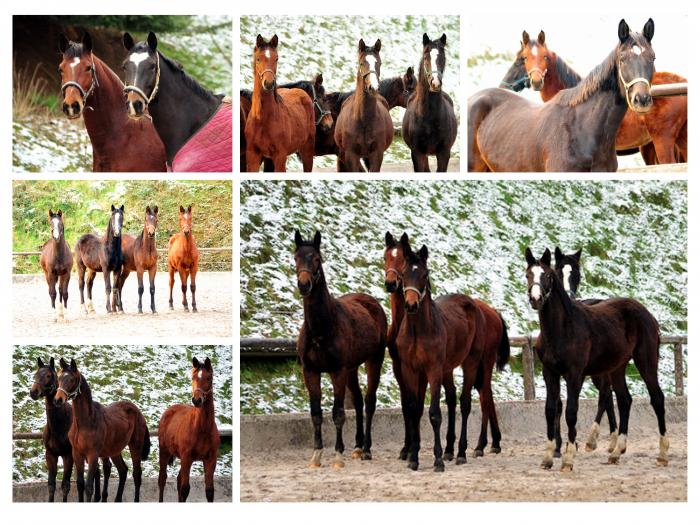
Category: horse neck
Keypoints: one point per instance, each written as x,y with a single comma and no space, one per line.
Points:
423,96
423,322
59,246
387,89
364,103
55,416
264,104
555,314
112,243
554,82
398,306
204,415
148,242
82,405
319,308
105,107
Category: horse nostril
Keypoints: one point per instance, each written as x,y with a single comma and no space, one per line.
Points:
76,107
65,108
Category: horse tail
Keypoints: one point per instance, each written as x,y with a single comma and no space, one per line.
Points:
146,446
503,347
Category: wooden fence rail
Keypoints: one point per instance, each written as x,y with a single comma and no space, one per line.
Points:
669,90
262,348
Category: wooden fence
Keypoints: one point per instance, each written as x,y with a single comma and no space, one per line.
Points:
257,348
669,90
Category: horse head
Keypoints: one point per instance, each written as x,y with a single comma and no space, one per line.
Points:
202,381
45,380
116,220
369,64
265,62
394,261
635,65
307,258
151,221
142,74
433,61
415,276
537,58
78,77
185,220
322,107
56,222
540,278
568,269
69,381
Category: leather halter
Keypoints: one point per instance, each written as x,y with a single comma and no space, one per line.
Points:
317,105
274,79
421,294
147,99
395,272
83,93
628,85
205,393
314,276
70,395
52,391
536,69
427,72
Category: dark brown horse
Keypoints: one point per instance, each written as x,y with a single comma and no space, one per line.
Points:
281,121
55,433
141,255
57,262
576,130
660,134
434,338
338,335
99,431
101,254
429,123
578,340
497,352
189,433
364,129
183,258
92,90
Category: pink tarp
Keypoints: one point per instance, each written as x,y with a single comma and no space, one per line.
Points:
210,148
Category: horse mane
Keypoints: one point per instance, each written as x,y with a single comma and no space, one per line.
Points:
74,50
385,84
85,390
560,294
567,75
190,82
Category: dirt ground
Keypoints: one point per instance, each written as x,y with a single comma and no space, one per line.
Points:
32,315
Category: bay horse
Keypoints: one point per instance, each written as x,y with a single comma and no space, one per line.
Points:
183,258
496,352
433,339
364,129
55,432
338,335
189,432
102,254
577,340
141,255
660,134
99,431
429,123
56,261
158,89
92,90
281,121
576,130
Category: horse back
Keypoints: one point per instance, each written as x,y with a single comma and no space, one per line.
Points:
87,252
464,326
128,242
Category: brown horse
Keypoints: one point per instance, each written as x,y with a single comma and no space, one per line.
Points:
338,335
99,431
141,255
190,434
281,121
92,90
57,262
364,129
183,258
434,338
661,134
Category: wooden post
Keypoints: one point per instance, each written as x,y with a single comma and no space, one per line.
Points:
678,367
528,371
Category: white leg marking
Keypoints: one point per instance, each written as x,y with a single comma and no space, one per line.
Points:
613,441
662,460
620,448
567,460
338,461
592,441
316,458
548,459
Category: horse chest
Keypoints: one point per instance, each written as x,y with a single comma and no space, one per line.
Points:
319,355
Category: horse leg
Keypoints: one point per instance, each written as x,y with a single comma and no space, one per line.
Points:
487,394
67,473
648,154
183,287
280,162
465,407
116,293
604,405
139,278
92,473
209,467
164,458
312,380
435,380
665,148
81,286
417,384
51,281
122,470
171,282
443,160
106,472
193,287
90,281
557,429
624,403
52,467
551,379
573,390
136,466
356,393
420,162
253,160
63,281
184,479
152,289
375,161
396,365
451,402
80,477
647,364
108,289
374,371
307,155
339,380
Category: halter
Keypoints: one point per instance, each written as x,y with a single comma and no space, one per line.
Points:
395,272
314,276
516,83
628,85
430,72
70,395
323,112
544,296
84,94
52,391
205,393
140,92
421,294
274,79
543,73
406,92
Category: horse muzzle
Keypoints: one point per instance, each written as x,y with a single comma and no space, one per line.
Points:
34,393
391,286
435,84
73,110
197,401
59,401
305,287
641,102
411,307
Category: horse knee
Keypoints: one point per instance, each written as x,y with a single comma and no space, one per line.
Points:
153,289
183,288
141,290
435,415
339,416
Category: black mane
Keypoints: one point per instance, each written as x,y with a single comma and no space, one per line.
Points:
74,50
568,76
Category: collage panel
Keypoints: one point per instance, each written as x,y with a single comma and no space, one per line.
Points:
515,274
125,413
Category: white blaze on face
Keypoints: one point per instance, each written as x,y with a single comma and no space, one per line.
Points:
394,252
566,273
637,50
536,291
75,62
136,59
199,375
267,53
434,81
56,232
534,51
373,80
115,223
415,267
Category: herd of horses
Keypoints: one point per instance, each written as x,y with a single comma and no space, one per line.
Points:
116,255
429,337
584,123
144,123
82,431
301,118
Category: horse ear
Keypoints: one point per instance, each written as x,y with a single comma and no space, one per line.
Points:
113,208
423,253
195,363
73,364
155,210
443,39
389,239
50,214
39,362
426,39
207,364
540,38
52,364
623,30
259,41
558,254
378,45
297,238
409,71
128,41
318,81
577,255
189,209
59,213
648,30
405,243
87,42
526,38
62,43
531,261
361,46
546,257
152,41
121,208
274,41
317,240
63,364
182,210
148,210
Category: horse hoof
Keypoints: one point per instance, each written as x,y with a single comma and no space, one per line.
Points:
314,465
154,312
477,453
590,447
439,467
357,453
567,467
495,450
461,460
613,460
557,454
366,456
194,309
448,456
661,462
171,307
413,465
338,464
546,465
403,455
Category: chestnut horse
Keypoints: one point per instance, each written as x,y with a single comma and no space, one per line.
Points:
190,434
57,262
141,255
99,431
364,129
92,90
55,433
183,258
577,340
576,130
102,254
496,352
429,123
338,335
434,338
661,134
281,121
